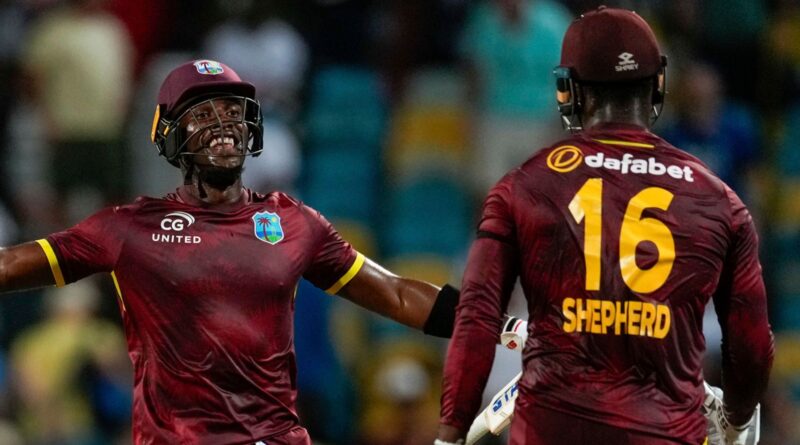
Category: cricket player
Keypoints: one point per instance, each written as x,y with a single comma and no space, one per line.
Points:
206,276
619,240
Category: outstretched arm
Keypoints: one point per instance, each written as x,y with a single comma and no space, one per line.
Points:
24,266
411,302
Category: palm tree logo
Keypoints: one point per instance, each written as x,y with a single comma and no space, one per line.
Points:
267,227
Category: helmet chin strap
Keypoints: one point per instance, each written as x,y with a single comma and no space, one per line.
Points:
189,165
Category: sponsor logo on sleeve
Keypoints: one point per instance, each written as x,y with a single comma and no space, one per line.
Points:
172,225
267,227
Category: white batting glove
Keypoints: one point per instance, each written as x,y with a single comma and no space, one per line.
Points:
720,430
514,333
441,442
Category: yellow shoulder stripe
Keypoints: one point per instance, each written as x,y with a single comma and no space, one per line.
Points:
53,260
624,143
119,292
339,284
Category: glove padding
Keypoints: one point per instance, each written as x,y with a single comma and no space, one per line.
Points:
514,333
720,430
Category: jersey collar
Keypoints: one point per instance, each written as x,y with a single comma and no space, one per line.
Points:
621,132
183,195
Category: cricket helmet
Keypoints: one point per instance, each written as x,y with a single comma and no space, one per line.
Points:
608,45
195,82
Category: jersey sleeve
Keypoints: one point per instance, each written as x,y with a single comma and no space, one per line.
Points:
741,304
91,246
496,220
485,290
335,262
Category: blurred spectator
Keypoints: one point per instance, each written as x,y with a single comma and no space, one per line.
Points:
400,394
9,434
730,36
343,31
418,34
779,81
79,61
722,133
8,228
150,24
264,49
50,362
780,411
511,48
786,225
11,27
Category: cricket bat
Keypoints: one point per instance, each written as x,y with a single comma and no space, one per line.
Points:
497,415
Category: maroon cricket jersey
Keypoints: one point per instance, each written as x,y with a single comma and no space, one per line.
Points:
619,240
207,300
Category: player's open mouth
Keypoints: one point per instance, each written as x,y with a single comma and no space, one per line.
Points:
226,141
223,145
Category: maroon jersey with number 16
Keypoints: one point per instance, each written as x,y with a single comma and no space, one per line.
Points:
207,297
619,241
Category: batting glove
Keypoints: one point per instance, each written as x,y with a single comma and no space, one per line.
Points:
441,442
514,333
720,430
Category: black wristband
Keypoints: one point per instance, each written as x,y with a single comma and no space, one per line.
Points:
442,318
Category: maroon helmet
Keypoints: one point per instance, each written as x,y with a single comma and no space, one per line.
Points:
607,45
610,45
194,82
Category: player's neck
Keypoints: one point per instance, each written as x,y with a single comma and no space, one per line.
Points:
207,195
637,113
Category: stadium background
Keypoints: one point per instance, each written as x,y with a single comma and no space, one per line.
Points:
391,117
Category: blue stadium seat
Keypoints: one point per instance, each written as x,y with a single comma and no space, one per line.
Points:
342,182
346,105
430,214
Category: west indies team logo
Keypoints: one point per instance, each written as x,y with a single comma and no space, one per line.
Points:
208,67
267,226
565,158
